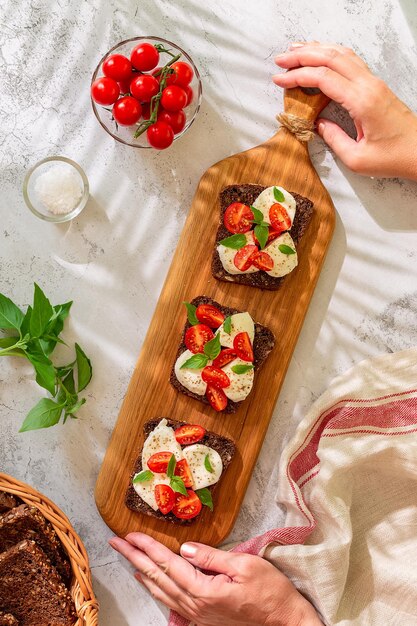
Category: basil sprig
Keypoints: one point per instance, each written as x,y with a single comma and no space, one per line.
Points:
261,229
278,195
176,482
34,335
204,496
198,361
234,241
286,249
191,313
143,477
241,369
227,325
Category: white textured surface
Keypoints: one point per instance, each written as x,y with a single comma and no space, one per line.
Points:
113,259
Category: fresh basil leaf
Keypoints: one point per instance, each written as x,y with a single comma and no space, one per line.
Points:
142,477
43,415
195,362
177,484
278,195
171,466
191,315
286,249
208,465
205,497
25,327
241,369
84,368
234,241
262,233
41,313
62,371
258,216
68,382
227,325
8,342
45,371
212,347
10,314
71,409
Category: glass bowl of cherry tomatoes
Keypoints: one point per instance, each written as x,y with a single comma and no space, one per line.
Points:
146,92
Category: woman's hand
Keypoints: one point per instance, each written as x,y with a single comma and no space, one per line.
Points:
245,590
386,143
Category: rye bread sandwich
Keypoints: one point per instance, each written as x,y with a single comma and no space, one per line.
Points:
31,589
220,352
27,522
177,469
259,228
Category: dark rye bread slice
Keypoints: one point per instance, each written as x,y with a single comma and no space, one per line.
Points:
27,522
224,446
263,343
248,194
31,588
6,619
8,501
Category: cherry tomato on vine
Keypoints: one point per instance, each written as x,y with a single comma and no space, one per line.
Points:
189,93
144,57
118,67
170,79
184,73
127,111
173,98
176,119
146,110
144,87
160,135
105,91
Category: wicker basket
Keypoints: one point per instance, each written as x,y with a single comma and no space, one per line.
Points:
81,588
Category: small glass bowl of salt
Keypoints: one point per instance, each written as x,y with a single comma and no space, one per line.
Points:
56,189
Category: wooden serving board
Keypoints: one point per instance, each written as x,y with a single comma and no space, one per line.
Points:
284,161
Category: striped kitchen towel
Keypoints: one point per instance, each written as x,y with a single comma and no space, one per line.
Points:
348,480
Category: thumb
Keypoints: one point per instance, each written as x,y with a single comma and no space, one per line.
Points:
210,559
342,145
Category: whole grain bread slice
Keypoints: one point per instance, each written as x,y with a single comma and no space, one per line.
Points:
8,501
7,619
31,588
247,194
223,445
27,522
262,345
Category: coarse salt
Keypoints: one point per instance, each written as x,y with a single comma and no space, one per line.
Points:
59,189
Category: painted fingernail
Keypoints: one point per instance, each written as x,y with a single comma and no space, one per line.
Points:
320,128
188,550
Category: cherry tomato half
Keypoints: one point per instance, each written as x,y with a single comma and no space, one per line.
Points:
127,111
144,87
173,98
144,57
160,135
118,67
197,336
210,315
243,257
215,376
105,91
182,469
216,397
158,462
263,261
189,433
176,119
237,218
184,73
165,498
280,220
187,507
226,356
243,347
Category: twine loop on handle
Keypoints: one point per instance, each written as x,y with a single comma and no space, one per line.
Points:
298,126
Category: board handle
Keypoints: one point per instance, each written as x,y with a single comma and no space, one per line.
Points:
306,104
